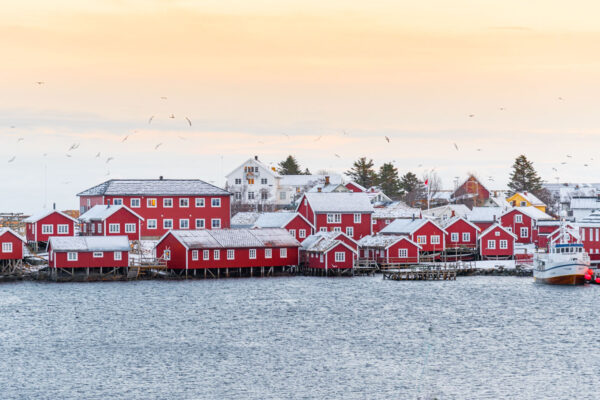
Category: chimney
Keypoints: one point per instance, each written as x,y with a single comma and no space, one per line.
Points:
453,213
160,178
256,158
327,179
319,189
54,206
413,217
525,193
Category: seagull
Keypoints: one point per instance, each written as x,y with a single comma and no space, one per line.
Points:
12,159
560,98
45,154
74,146
319,138
478,149
150,120
419,166
68,155
157,146
163,97
20,139
98,155
471,115
554,169
12,127
569,156
563,163
109,159
585,165
188,120
286,135
455,146
502,108
387,138
124,139
40,83
172,116
337,155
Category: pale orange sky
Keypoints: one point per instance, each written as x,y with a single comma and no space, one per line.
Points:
247,72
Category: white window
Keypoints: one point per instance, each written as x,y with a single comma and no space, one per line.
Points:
194,255
292,232
230,254
491,244
283,253
167,224
337,229
250,195
215,223
199,202
71,256
334,218
118,202
454,237
7,247
350,231
263,181
238,181
206,255
199,223
151,203
518,218
184,224
167,202
62,229
402,253
117,256
340,256
252,254
302,233
151,223
357,218
435,239
281,195
215,202
47,229
134,203
114,228
167,254
99,228
238,195
504,244
524,232
466,236
264,195
421,239
98,254
184,202
129,228
322,229
268,253
217,254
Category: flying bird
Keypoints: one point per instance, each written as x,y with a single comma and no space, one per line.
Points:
188,121
387,138
569,156
471,115
74,146
68,155
163,97
150,119
478,149
455,146
124,139
554,169
502,108
45,154
98,155
419,166
286,135
109,159
560,98
319,138
157,146
12,159
40,83
585,165
337,155
563,163
172,116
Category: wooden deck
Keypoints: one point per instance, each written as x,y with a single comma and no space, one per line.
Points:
422,273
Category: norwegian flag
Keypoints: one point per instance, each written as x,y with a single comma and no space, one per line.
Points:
427,182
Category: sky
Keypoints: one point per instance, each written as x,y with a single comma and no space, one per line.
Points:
272,78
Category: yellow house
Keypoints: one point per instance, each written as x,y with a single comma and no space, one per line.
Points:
526,199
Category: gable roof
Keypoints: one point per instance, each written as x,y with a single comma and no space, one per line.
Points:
496,225
530,197
465,181
233,238
257,162
43,214
357,185
323,242
531,212
308,180
154,187
277,219
339,202
100,212
485,214
244,219
89,243
454,220
459,210
8,230
408,226
396,210
384,241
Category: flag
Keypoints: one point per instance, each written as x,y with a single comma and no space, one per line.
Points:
427,182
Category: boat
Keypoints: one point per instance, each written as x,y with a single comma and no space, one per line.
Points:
565,263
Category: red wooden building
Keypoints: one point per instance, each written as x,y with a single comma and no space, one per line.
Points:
383,216
389,249
94,252
228,250
545,228
355,187
338,212
461,233
522,221
324,252
471,193
40,227
11,245
111,220
164,204
426,233
497,242
297,225
484,217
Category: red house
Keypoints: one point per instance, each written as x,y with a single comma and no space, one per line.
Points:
228,249
111,221
589,234
11,245
78,252
40,227
355,187
461,233
471,193
383,216
522,221
323,252
298,226
545,228
497,242
572,236
426,233
164,204
389,249
338,212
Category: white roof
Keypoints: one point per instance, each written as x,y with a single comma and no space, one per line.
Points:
256,162
323,242
308,180
246,219
339,202
459,210
277,219
584,203
533,212
494,226
396,210
5,230
43,214
407,226
531,198
485,214
358,185
101,212
454,220
234,238
332,187
592,220
154,187
382,241
89,243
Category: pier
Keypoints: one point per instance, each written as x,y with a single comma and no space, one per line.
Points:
422,273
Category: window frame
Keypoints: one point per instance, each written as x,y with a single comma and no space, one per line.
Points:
135,199
72,256
148,224
117,256
165,200
98,254
151,200
268,253
341,258
215,202
169,220
7,247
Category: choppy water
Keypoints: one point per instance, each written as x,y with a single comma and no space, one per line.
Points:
301,338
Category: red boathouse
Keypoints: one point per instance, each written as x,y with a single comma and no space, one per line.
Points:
110,220
88,252
497,242
41,226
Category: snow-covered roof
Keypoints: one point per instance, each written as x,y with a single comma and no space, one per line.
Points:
533,212
592,220
499,201
89,243
154,187
256,162
406,226
466,195
454,220
308,180
8,230
584,203
100,212
442,195
494,226
382,241
459,210
357,185
396,210
277,219
244,219
332,187
234,238
531,198
485,214
339,202
43,214
378,196
323,242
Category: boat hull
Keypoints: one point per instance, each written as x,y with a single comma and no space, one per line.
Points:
562,280
570,274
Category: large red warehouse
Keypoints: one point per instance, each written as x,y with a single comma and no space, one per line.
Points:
43,225
111,220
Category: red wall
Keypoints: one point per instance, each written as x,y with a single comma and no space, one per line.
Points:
459,227
53,219
17,247
348,259
508,221
429,230
298,223
413,252
94,201
120,217
380,223
360,229
86,259
590,242
353,188
485,251
306,210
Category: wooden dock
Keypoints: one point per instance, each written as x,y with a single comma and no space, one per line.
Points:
422,273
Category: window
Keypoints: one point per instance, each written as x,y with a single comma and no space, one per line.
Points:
184,202
402,253
263,181
194,255
334,218
167,224
199,223
322,229
206,255
129,228
134,203
281,195
99,228
151,203
340,256
264,195
238,181
292,232
167,254
504,244
350,231
98,254
268,253
114,228
302,233
167,202
421,239
117,256
217,254
454,237
238,195
199,202
118,202
47,229
357,218
283,253
252,254
184,224
216,202
92,228
7,247
466,236
215,223
337,229
250,181
230,254
151,224
71,256
62,229
491,244
524,232
250,195
435,239
518,218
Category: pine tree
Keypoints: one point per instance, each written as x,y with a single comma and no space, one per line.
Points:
290,166
524,177
409,182
388,180
362,172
